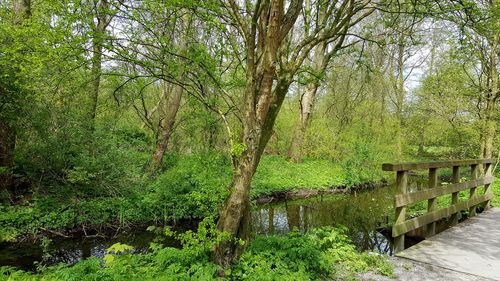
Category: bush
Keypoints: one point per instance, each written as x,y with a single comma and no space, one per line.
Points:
193,186
362,164
318,254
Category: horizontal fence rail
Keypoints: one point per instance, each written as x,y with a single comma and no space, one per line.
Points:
403,198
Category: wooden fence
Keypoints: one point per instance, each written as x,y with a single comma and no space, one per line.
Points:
403,198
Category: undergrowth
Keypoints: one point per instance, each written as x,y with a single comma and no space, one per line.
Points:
323,253
189,186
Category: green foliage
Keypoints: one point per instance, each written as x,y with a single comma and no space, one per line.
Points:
443,120
275,174
322,253
273,256
114,251
189,186
363,165
237,149
89,171
193,187
316,255
496,191
200,242
8,234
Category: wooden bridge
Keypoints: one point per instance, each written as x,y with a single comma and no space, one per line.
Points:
472,246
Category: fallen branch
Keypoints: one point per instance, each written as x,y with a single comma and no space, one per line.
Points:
55,232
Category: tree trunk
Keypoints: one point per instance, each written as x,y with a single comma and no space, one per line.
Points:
264,33
172,107
172,103
307,100
103,19
96,78
22,11
235,215
262,103
400,96
306,107
489,129
492,97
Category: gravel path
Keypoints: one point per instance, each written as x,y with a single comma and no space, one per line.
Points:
407,270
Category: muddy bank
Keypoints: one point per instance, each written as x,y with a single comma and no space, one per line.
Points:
98,231
304,193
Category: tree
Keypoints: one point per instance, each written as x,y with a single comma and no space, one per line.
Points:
159,46
478,25
270,66
317,66
403,40
173,98
444,113
102,18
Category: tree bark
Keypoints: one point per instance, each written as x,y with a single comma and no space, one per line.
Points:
261,106
172,107
22,11
172,103
235,213
103,19
307,99
492,97
234,216
400,97
306,107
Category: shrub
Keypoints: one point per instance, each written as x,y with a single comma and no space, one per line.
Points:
193,187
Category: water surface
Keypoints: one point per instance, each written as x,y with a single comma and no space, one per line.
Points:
365,214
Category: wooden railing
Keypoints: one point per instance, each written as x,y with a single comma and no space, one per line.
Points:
402,199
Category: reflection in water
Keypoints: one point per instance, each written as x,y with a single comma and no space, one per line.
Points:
362,213
72,250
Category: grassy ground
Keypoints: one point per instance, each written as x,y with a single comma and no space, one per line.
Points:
275,174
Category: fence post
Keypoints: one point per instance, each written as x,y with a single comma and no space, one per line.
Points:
473,175
454,195
402,182
431,203
487,173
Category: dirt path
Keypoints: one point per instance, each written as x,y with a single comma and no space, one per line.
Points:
407,270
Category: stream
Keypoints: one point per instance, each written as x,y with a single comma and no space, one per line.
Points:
362,213
365,215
